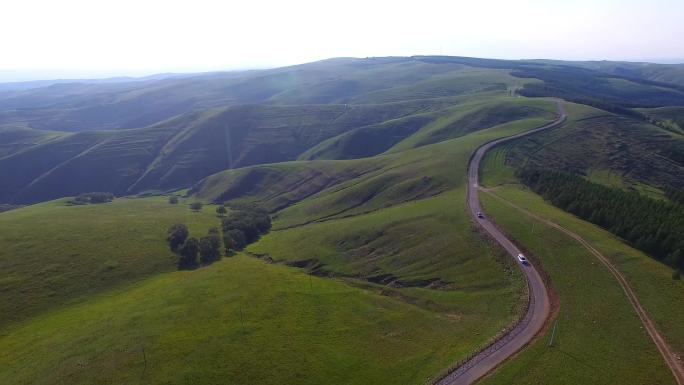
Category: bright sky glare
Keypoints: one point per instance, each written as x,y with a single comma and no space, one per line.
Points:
148,36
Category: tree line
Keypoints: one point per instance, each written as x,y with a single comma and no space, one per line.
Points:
653,226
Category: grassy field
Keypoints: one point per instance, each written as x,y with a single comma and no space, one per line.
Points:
240,321
90,314
53,254
599,338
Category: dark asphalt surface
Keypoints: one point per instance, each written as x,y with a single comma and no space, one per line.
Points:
539,309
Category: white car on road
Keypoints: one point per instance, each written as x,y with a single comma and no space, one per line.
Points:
522,259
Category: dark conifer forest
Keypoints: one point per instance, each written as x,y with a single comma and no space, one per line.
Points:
653,226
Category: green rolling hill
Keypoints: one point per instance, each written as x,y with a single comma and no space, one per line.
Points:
372,272
461,287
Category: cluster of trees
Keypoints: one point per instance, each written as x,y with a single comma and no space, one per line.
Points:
92,197
653,226
189,249
244,225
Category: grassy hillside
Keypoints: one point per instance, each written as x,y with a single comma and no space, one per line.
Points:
596,323
185,128
421,129
374,218
178,152
349,187
20,169
87,105
412,275
667,73
240,321
14,139
671,118
53,253
82,106
428,254
247,135
478,115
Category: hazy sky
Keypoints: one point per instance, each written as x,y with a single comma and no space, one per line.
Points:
90,37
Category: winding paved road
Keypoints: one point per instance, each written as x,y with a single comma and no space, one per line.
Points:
539,308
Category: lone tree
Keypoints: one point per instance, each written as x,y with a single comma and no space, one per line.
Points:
173,199
188,254
210,248
221,211
196,206
177,235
